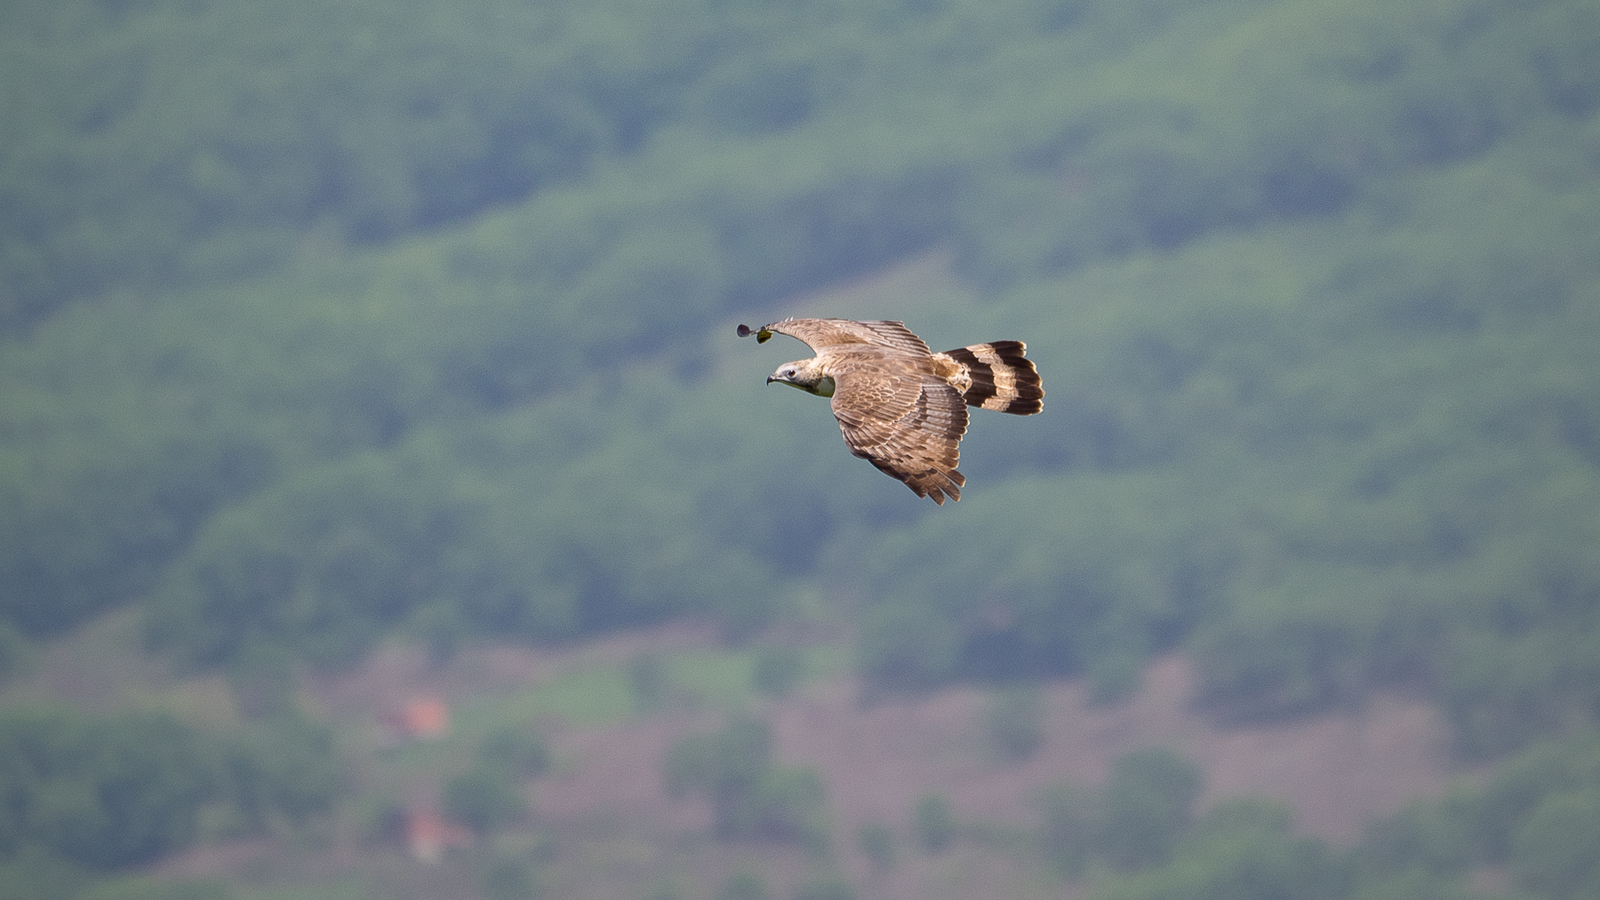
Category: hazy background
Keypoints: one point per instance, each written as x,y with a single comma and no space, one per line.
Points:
356,351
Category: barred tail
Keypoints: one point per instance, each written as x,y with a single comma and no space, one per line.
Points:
1002,377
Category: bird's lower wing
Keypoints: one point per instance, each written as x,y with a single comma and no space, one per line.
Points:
907,425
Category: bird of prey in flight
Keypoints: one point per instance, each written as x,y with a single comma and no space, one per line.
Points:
902,407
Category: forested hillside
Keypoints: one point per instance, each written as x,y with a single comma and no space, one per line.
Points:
322,323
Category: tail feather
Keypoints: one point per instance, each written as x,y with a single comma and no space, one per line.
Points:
1003,378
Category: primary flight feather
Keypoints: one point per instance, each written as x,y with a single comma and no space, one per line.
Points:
900,406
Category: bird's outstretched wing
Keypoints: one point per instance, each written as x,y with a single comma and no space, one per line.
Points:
820,334
907,423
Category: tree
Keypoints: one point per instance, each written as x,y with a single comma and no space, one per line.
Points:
751,798
1068,832
1015,720
516,749
744,884
877,844
505,877
1552,851
16,654
1241,850
106,792
483,798
1145,807
778,669
934,826
103,792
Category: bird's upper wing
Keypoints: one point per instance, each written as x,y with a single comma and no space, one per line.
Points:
903,419
820,334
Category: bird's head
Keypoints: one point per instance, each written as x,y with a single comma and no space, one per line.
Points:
805,376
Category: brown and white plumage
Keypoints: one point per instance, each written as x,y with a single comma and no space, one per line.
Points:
900,406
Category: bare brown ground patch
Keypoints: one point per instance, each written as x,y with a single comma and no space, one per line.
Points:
618,833
1335,772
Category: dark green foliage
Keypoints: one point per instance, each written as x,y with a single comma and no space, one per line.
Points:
483,797
16,653
1522,785
779,668
787,805
666,889
1242,850
878,845
320,327
1058,598
1145,807
1071,820
458,531
1537,814
744,884
284,770
1281,656
933,824
415,316
1510,681
1015,720
262,680
517,749
647,677
31,875
351,122
728,761
825,887
1420,884
751,798
504,877
1534,818
1552,850
289,123
322,567
150,889
1442,838
1247,849
516,426
104,793
1132,823
34,873
901,647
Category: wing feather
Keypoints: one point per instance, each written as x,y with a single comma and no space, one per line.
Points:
905,421
820,334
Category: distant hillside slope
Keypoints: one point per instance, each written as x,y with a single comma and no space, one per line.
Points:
363,336
156,144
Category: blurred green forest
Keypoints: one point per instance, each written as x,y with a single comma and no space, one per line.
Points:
321,322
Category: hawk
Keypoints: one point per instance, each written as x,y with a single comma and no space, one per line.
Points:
902,407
